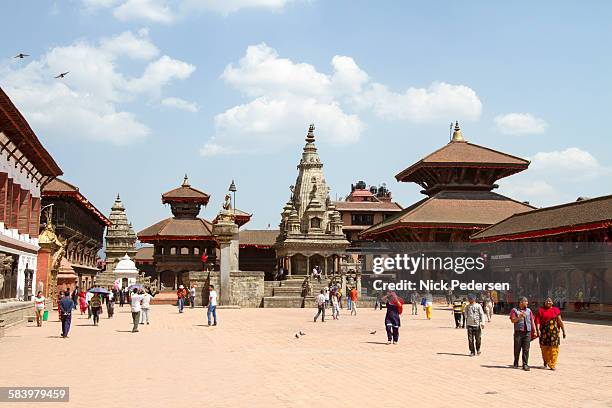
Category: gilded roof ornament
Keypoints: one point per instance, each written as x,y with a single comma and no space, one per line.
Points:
457,135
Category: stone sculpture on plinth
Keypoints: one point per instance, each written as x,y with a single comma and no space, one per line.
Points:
225,231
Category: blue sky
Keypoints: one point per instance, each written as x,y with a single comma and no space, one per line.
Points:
225,90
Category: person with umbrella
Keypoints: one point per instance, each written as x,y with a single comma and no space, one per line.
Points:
95,303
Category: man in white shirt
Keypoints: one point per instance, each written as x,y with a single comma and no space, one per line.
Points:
136,303
320,301
192,295
145,308
212,304
88,297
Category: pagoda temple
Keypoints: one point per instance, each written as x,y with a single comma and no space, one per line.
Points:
458,180
181,240
80,226
311,227
120,236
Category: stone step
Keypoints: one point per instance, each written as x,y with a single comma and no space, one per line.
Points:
283,301
288,291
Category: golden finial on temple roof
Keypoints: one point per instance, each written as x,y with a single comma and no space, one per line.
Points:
185,181
310,137
457,135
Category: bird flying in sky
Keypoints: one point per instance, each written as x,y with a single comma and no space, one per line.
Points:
21,55
63,74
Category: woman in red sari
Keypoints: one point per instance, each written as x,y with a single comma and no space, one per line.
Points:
549,321
82,302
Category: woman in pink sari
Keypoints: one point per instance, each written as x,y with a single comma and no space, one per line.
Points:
82,302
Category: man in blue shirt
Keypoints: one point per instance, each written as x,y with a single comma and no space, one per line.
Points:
66,305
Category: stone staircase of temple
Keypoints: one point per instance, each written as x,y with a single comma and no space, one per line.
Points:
286,293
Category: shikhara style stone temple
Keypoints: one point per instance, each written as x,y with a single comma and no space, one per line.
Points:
311,227
120,236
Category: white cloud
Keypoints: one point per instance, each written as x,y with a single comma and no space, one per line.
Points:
133,46
178,103
557,177
437,102
158,74
157,11
520,124
169,11
87,103
571,164
285,96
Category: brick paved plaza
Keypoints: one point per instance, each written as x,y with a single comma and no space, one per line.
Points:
253,359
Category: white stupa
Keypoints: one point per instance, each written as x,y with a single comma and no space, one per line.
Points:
126,269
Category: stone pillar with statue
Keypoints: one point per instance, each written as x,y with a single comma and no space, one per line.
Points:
225,231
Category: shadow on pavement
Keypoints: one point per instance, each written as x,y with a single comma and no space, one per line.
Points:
376,342
454,354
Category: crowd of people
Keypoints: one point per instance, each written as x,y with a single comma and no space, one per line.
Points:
332,296
470,312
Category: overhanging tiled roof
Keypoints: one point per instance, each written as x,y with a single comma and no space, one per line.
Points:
464,209
577,216
177,228
60,188
260,238
374,206
19,132
465,154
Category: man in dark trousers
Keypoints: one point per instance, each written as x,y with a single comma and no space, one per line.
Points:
121,297
524,325
66,305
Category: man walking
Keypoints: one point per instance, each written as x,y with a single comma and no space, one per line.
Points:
180,295
320,301
349,301
145,307
414,300
474,320
524,324
136,304
212,305
353,295
192,295
66,306
457,312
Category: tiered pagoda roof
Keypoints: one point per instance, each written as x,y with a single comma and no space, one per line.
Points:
185,202
185,194
458,179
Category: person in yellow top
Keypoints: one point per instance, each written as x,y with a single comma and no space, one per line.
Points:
494,298
464,304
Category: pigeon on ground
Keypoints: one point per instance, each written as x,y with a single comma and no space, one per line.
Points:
21,55
302,333
374,332
62,75
297,336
